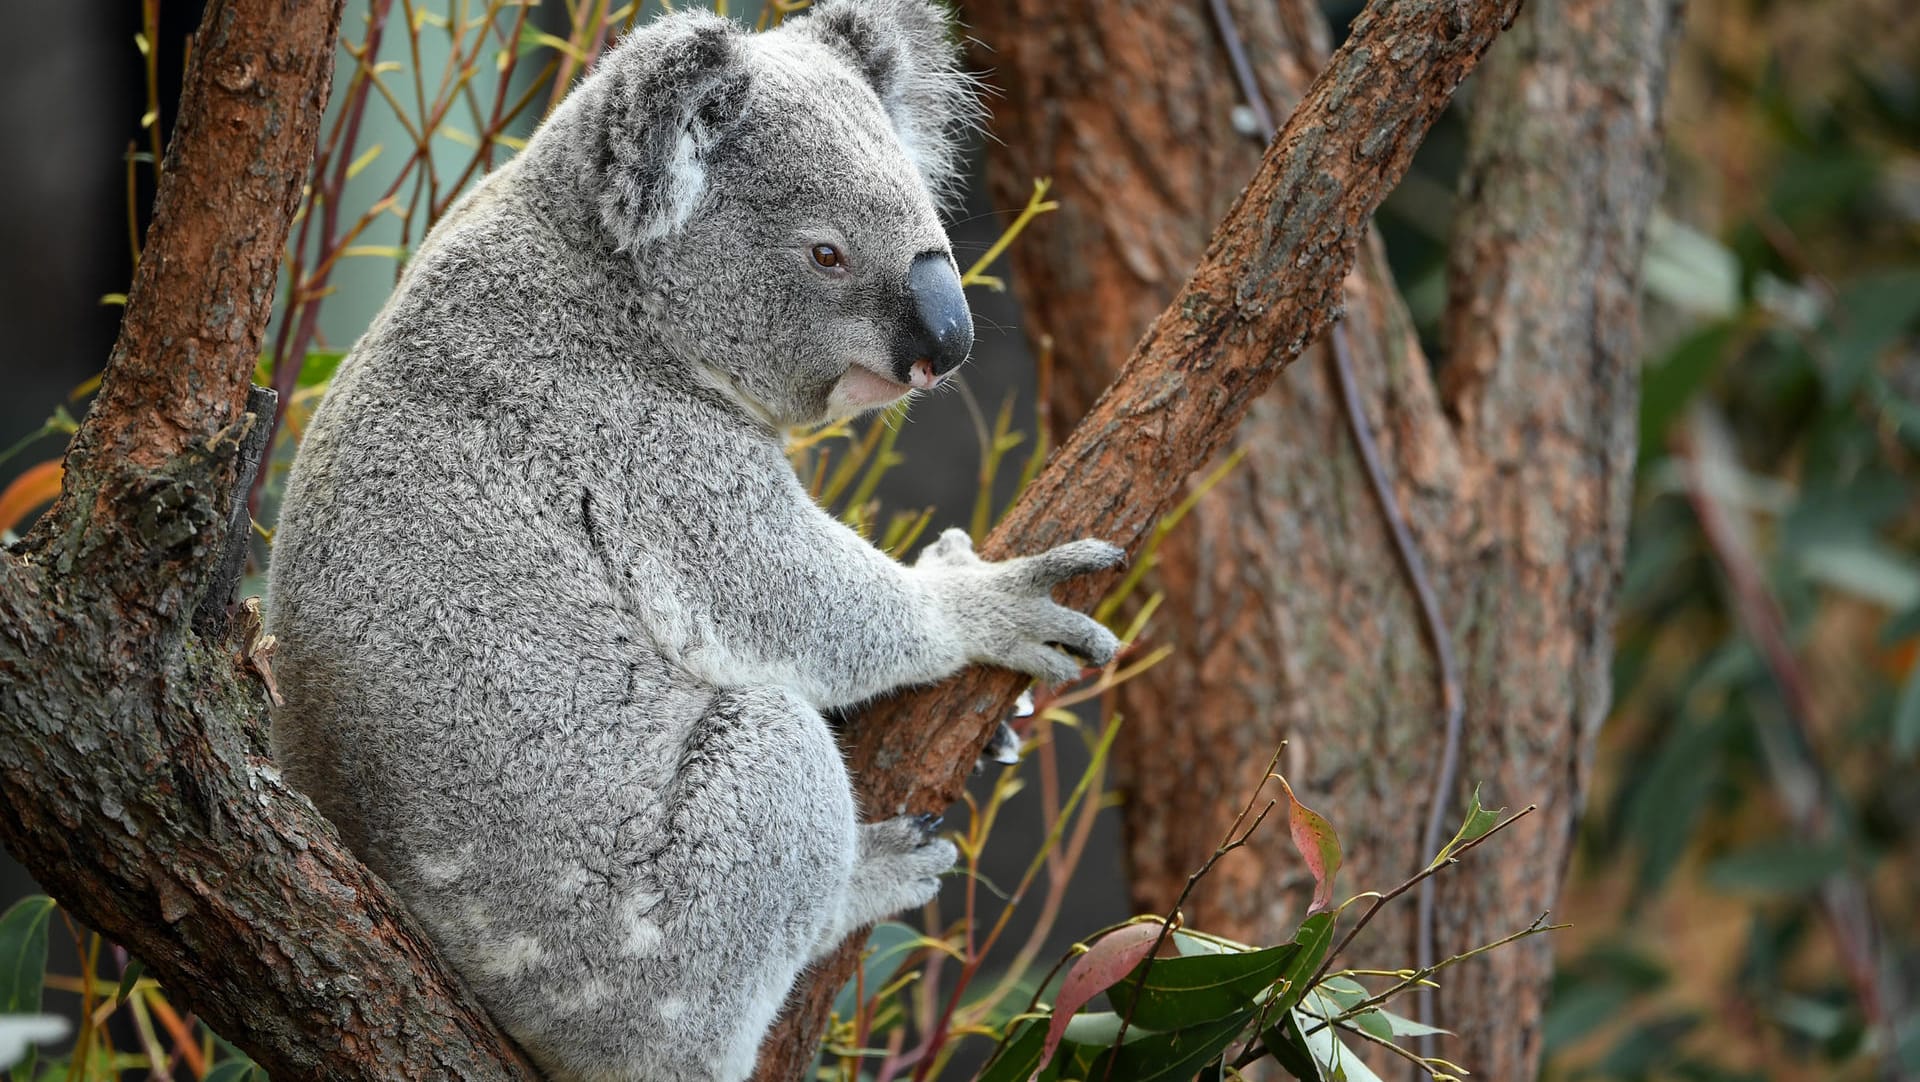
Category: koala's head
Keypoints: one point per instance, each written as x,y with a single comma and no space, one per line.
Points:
777,193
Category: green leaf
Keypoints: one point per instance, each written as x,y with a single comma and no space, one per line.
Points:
1871,314
1403,1026
128,979
1170,1057
1343,990
1690,270
1336,1060
1311,944
1099,1029
1187,942
1864,568
887,947
1289,1049
23,954
1022,1055
1784,866
1668,385
235,1070
1581,1009
1374,1022
1181,992
1479,820
316,368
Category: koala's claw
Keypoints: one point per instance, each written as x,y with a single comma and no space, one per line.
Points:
1004,747
929,825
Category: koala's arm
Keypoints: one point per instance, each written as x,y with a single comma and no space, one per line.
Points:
830,616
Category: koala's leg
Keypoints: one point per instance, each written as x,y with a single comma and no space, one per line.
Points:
899,869
731,888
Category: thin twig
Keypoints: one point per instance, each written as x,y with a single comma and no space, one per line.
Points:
1418,877
1242,69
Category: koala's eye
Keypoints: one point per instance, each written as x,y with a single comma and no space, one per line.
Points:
827,257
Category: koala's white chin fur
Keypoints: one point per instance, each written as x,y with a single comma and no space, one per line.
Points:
862,389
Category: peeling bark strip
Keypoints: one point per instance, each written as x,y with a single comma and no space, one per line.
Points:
130,783
1269,282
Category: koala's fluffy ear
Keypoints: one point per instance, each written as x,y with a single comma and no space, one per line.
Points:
666,96
907,52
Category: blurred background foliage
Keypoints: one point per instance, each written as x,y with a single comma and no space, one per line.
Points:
1745,892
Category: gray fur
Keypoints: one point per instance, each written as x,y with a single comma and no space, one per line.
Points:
557,619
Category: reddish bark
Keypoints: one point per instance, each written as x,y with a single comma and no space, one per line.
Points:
132,781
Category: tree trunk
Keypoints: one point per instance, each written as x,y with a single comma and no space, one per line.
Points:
1290,606
133,781
1268,283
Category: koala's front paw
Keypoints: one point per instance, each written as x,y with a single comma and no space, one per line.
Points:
1009,608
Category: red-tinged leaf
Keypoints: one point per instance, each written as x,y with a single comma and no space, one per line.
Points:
1319,846
1108,960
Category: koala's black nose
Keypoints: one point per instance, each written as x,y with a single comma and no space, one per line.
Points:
942,330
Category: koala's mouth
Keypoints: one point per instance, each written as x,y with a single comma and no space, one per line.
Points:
862,388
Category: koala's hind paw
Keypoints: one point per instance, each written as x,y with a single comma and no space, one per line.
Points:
900,863
900,836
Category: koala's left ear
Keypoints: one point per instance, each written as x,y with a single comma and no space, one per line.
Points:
651,114
907,52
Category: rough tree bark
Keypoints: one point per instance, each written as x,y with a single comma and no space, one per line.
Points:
1267,284
1292,614
133,784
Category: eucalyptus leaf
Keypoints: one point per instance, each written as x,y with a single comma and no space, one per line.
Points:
1101,1028
1784,866
23,954
1181,992
1166,1057
1335,1059
1021,1057
1403,1026
1288,1048
235,1070
128,980
1311,944
1478,821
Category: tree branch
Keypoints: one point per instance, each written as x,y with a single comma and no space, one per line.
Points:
129,785
1268,284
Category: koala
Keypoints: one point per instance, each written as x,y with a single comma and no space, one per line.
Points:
557,620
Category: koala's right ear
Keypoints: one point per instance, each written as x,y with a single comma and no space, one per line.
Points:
661,100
